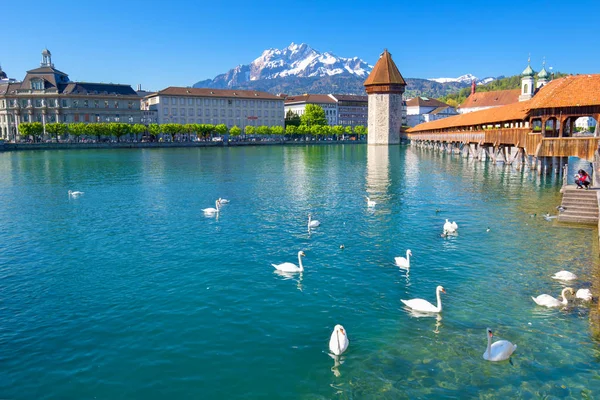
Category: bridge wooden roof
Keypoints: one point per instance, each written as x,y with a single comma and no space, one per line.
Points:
511,112
569,91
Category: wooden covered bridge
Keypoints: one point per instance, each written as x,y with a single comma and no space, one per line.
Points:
539,132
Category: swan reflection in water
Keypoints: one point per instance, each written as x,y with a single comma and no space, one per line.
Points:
337,361
419,314
291,276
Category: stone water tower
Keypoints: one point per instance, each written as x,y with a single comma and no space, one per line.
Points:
385,86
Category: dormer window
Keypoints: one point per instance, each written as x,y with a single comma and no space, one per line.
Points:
37,84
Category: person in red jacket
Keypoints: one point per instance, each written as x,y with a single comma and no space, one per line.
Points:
582,179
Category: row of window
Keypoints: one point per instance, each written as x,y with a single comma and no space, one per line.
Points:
216,113
223,102
74,103
230,122
67,118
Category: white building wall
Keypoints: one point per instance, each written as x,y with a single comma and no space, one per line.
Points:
238,112
585,123
331,111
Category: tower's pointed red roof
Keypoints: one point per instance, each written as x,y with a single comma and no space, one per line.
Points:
385,72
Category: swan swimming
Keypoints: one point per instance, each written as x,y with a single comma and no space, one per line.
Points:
338,343
584,294
75,193
370,203
564,276
424,305
402,262
312,223
498,351
450,227
290,267
548,301
211,210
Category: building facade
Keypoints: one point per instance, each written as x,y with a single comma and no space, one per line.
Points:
424,109
47,95
352,110
297,104
239,108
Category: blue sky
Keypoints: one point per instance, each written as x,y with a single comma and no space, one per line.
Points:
177,43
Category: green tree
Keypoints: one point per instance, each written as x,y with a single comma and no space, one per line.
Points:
154,130
119,129
313,115
33,129
249,130
98,130
360,130
292,119
55,129
277,130
208,130
338,131
221,129
138,129
263,130
291,130
77,129
304,130
348,130
235,131
170,129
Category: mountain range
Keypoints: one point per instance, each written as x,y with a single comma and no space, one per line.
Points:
299,69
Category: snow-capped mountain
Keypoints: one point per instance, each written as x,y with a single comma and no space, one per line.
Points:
296,60
468,78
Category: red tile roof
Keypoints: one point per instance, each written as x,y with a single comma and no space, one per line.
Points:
569,91
310,98
511,112
385,72
207,92
491,99
425,102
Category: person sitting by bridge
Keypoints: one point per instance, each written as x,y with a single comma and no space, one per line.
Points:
582,179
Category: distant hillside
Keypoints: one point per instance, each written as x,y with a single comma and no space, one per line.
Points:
502,83
343,84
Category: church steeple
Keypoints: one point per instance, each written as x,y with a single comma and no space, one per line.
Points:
46,59
527,82
543,75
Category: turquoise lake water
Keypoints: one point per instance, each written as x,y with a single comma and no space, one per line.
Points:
131,292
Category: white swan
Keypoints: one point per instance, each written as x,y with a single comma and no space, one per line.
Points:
548,301
584,294
338,343
290,267
370,203
312,223
564,276
223,201
498,351
450,227
75,193
402,262
211,210
424,305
